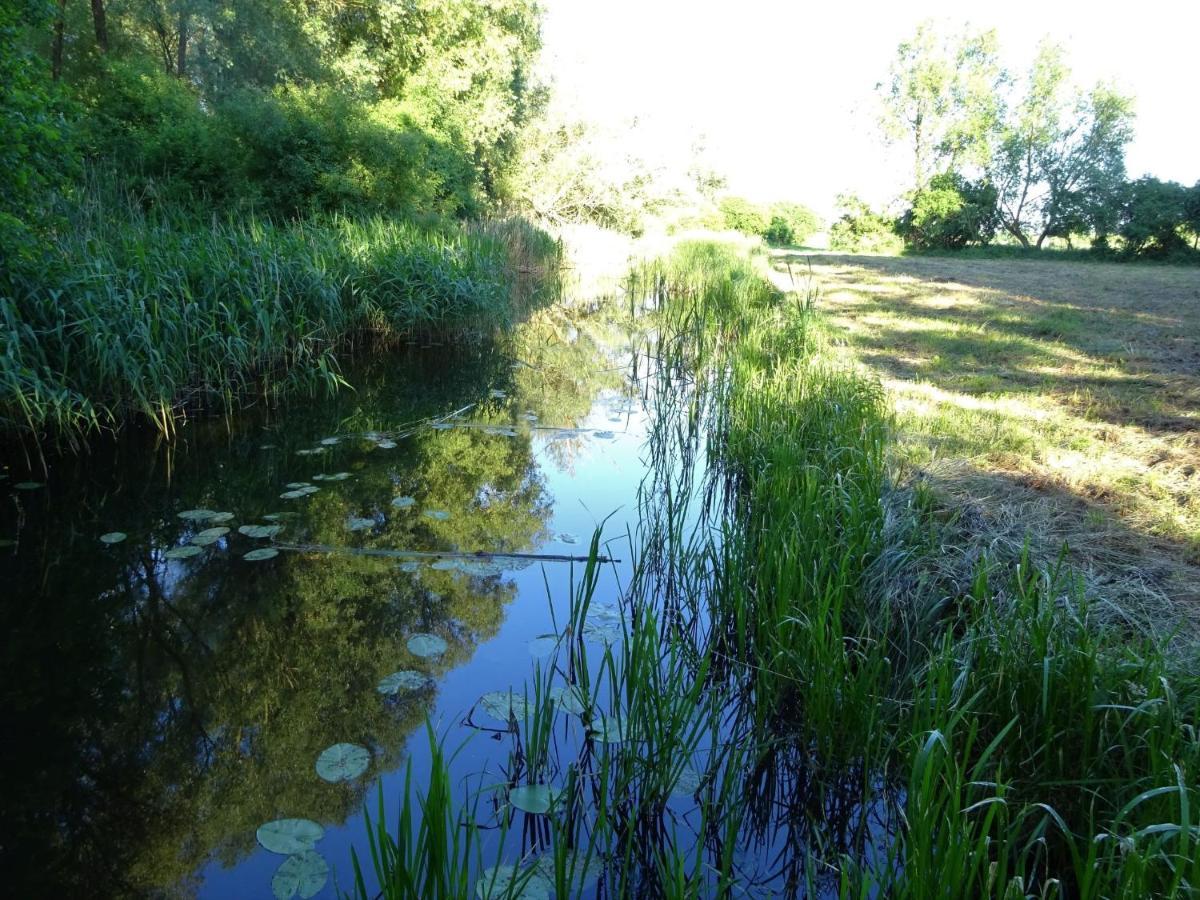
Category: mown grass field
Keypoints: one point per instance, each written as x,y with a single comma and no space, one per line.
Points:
1059,399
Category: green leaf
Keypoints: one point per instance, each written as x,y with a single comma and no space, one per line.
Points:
302,875
183,552
535,799
426,645
260,531
404,680
261,554
113,537
288,836
343,762
503,704
404,502
439,515
209,536
498,881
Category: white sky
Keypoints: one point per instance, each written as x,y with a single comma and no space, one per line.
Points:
784,91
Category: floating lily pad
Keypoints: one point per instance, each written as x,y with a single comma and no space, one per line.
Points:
297,485
266,446
567,538
609,729
426,645
531,417
113,537
497,395
543,645
312,452
343,762
386,445
569,698
28,485
209,536
196,515
219,517
409,566
337,476
498,882
354,523
445,565
183,552
404,680
330,441
280,516
439,515
302,875
504,705
261,554
441,426
603,624
533,798
260,531
688,782
605,435
404,502
288,836
308,489
481,567
292,495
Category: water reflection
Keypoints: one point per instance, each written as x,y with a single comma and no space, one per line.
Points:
159,709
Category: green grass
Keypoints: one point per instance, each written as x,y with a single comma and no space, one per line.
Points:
862,719
132,316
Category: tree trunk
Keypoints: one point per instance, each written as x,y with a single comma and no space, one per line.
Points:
1016,232
101,26
181,55
56,54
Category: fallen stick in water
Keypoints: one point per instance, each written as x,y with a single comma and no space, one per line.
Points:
436,554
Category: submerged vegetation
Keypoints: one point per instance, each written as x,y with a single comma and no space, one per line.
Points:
797,691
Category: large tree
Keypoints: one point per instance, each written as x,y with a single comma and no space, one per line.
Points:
943,99
1061,155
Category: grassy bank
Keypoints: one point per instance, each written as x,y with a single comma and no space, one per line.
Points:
814,686
135,316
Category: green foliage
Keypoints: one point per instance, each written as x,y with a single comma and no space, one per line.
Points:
950,213
1153,216
779,224
859,228
742,215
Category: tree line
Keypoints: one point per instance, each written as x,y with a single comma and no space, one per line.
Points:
1029,157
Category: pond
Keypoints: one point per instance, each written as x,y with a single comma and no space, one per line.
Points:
190,625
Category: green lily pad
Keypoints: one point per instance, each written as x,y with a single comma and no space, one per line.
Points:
567,538
113,537
28,485
439,515
543,645
343,762
609,729
533,798
505,704
498,882
569,698
410,565
688,782
482,567
308,489
288,836
293,495
260,531
280,516
426,645
261,554
219,518
209,536
404,680
386,445
185,552
404,502
297,485
302,875
196,515
354,523
330,441
604,435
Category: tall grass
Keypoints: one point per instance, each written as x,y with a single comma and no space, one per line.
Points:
857,725
149,316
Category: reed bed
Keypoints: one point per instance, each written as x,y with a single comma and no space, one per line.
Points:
149,316
803,706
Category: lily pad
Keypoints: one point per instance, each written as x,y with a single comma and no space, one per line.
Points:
343,762
426,645
404,502
280,516
28,485
543,645
297,485
439,515
309,489
218,518
185,552
404,680
498,881
605,435
113,537
386,445
261,554
302,875
567,538
288,836
209,536
355,523
688,782
569,698
533,798
609,729
505,704
293,495
330,441
410,565
445,565
260,531
196,515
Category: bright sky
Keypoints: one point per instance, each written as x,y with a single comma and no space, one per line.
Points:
784,91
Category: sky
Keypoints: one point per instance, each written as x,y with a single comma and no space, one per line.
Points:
783,92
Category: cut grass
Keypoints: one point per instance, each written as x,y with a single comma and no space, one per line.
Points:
1076,382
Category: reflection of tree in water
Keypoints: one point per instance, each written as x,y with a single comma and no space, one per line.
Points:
176,705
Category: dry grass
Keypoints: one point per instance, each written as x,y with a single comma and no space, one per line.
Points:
1056,398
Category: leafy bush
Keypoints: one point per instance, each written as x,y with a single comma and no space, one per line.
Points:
742,215
779,224
951,213
860,228
1153,216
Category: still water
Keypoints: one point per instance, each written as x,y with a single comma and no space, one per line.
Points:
163,694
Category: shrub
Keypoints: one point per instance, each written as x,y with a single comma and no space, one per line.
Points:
859,228
951,213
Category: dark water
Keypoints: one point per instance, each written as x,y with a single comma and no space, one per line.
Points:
157,710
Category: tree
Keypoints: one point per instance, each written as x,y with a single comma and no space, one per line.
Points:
861,228
1152,218
1061,155
951,213
943,99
